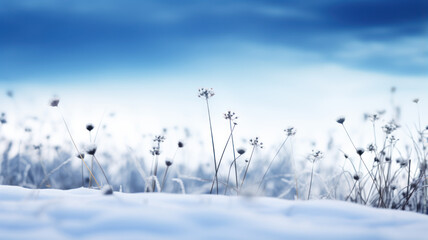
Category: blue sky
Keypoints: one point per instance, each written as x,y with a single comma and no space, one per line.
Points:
51,38
276,63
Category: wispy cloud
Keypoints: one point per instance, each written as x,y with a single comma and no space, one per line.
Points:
46,37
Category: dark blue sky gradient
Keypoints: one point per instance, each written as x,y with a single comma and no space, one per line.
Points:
50,38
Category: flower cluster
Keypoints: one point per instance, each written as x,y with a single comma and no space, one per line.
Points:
54,102
3,118
206,93
230,115
155,151
291,131
340,120
390,127
256,143
91,149
159,139
315,155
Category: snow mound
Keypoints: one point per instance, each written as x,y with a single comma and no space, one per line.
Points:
87,214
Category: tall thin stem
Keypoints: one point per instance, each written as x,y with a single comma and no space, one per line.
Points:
270,164
164,178
248,165
212,142
228,175
310,183
221,158
102,170
75,146
234,155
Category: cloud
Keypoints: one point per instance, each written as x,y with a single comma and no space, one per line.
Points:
45,36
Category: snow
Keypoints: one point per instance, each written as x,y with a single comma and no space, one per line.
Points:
87,214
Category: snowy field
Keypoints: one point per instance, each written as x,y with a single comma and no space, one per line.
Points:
87,214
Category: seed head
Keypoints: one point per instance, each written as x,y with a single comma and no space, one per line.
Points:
404,163
54,102
168,162
91,149
107,190
291,131
416,100
180,144
206,93
37,147
155,151
230,115
89,127
340,120
356,177
370,147
3,120
360,151
393,89
241,151
315,155
373,117
80,155
159,139
390,127
256,143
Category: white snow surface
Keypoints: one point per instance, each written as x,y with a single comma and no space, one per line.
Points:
87,214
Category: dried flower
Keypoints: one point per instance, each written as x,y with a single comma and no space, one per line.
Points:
373,117
155,151
159,139
230,115
107,190
340,120
80,155
256,143
356,177
390,127
54,102
37,147
291,131
206,93
371,147
91,149
168,162
89,127
180,144
360,151
404,162
416,100
315,156
241,151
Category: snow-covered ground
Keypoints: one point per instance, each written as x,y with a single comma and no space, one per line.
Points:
87,214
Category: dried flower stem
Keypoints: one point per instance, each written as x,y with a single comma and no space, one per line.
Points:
270,164
221,158
212,142
248,165
77,149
